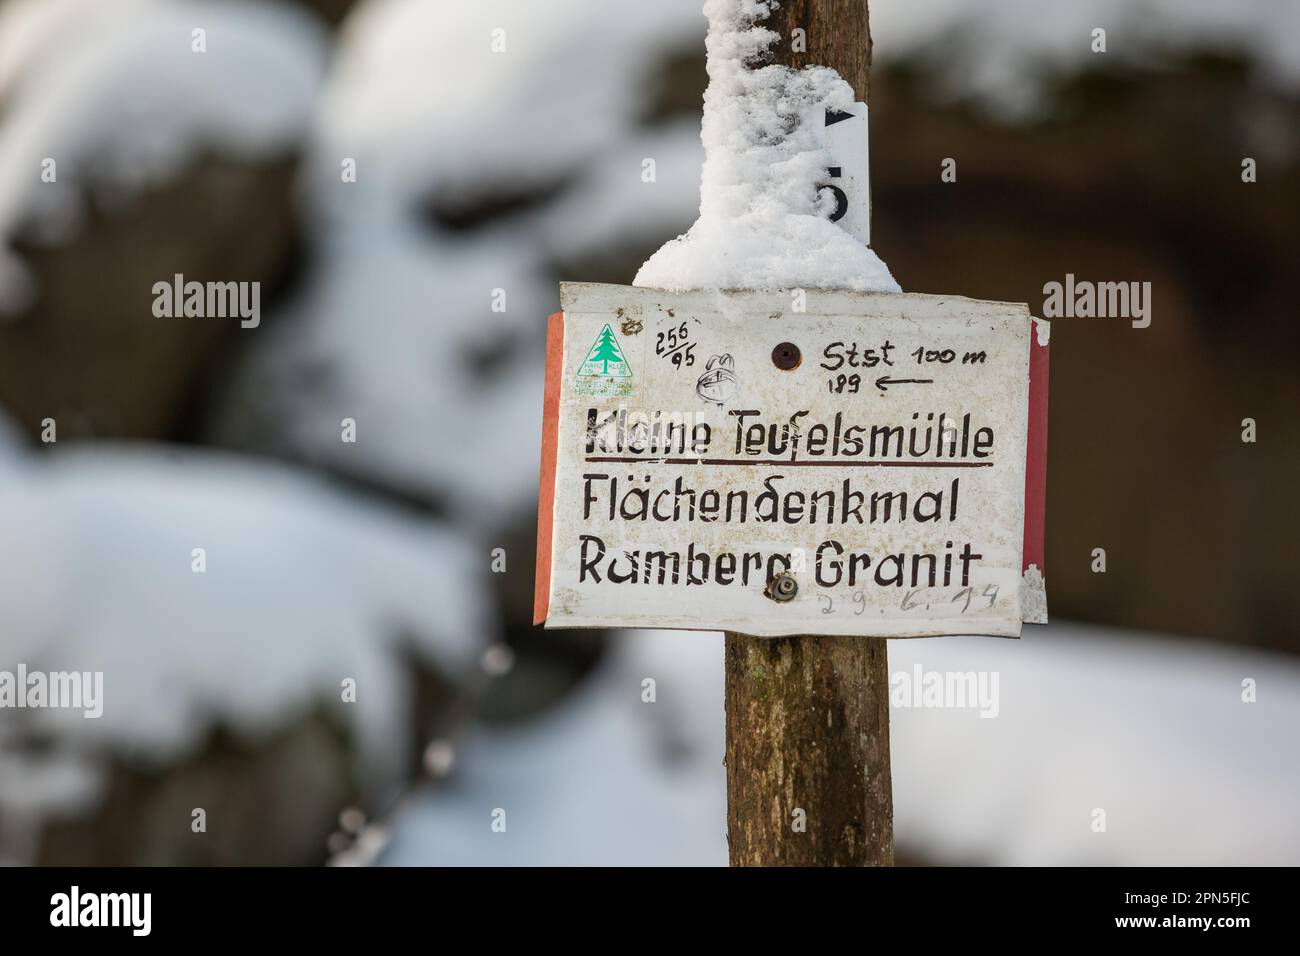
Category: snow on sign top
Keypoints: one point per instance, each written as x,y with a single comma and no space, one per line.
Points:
783,194
792,463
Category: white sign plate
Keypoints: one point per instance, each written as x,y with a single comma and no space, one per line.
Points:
844,136
701,451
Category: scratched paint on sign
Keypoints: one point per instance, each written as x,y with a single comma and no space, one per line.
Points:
806,463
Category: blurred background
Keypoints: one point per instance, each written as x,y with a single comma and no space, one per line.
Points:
353,677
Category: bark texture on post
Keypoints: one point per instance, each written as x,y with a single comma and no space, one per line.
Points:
808,717
836,33
808,729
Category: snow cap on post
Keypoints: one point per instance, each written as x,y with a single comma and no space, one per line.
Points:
763,221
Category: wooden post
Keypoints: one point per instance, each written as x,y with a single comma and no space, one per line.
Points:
808,717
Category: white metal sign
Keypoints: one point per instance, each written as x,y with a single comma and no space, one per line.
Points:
807,463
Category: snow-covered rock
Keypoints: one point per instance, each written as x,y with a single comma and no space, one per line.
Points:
432,338
396,331
605,779
118,97
300,589
501,96
1153,730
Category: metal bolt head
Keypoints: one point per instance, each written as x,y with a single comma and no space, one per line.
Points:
786,356
783,587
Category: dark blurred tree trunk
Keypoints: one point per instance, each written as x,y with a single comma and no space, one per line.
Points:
331,11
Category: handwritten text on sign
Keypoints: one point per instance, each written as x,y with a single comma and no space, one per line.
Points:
773,463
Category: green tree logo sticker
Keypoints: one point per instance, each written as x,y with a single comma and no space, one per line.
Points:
605,359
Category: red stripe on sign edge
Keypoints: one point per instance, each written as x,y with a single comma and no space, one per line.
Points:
546,481
1034,548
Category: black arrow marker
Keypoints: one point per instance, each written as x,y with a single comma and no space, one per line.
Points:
886,381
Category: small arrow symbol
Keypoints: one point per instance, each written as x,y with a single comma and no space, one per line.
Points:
886,381
837,116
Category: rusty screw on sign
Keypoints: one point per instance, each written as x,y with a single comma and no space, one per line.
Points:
786,356
783,587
